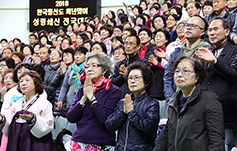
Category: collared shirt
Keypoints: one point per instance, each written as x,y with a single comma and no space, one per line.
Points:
218,49
143,51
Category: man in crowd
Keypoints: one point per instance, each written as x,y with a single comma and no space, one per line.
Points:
32,39
222,74
193,31
132,44
193,8
44,56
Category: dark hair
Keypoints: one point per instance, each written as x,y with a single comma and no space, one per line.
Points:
112,20
169,5
142,17
131,30
147,74
69,40
205,23
3,39
51,31
174,16
88,41
19,66
109,28
39,87
42,37
30,47
198,67
178,10
33,35
92,26
113,14
225,23
118,38
119,10
83,36
137,39
49,50
156,16
68,50
16,39
6,49
102,46
144,2
81,49
10,63
42,32
147,30
21,45
39,69
123,18
156,4
6,72
19,54
166,33
208,3
139,9
61,28
120,47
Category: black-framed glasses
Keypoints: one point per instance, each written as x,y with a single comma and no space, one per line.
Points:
93,65
192,26
184,72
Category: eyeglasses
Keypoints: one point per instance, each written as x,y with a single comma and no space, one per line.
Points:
93,66
135,78
184,72
129,43
192,26
3,65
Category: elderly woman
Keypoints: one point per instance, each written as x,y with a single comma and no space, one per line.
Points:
137,116
106,32
92,104
171,22
195,116
29,121
18,57
27,52
81,37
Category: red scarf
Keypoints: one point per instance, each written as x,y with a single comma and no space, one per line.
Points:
106,82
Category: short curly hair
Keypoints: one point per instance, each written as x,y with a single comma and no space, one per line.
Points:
39,87
103,59
198,67
147,74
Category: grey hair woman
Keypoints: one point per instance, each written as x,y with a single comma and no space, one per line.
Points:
93,103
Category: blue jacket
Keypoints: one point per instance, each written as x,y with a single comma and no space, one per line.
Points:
222,80
169,84
138,128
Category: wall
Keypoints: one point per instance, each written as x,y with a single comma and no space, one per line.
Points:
14,16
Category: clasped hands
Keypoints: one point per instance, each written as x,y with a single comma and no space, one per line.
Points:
127,104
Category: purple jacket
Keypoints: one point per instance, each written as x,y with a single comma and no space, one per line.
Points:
90,121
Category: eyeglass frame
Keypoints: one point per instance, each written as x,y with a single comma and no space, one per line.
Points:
183,72
93,65
194,26
135,78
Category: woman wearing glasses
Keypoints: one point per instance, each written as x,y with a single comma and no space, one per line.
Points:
92,104
195,117
136,117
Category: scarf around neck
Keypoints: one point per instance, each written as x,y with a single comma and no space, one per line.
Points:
75,74
106,82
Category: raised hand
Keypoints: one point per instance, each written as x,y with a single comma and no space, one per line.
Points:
63,68
161,54
123,70
206,54
153,60
128,104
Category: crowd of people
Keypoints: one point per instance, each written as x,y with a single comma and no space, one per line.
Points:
152,77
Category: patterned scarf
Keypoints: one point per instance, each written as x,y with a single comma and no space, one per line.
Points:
75,74
106,82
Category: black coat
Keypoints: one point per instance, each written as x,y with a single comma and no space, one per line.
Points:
138,128
199,125
118,80
222,80
157,88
